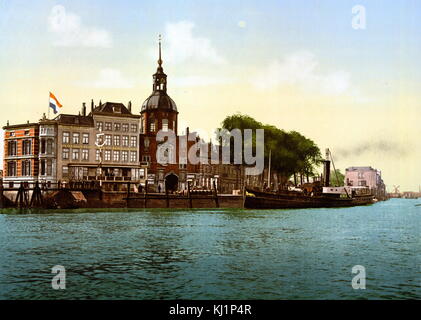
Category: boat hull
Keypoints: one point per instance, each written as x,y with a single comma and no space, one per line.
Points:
288,201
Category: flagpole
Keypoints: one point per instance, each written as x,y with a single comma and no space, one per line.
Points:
48,106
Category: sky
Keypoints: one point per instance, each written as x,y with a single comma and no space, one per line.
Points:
300,65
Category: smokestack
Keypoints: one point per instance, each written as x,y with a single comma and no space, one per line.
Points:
92,105
326,170
130,106
84,109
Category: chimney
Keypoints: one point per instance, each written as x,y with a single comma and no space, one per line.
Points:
92,105
187,133
84,109
130,106
8,123
326,170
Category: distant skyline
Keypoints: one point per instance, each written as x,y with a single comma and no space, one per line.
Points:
298,65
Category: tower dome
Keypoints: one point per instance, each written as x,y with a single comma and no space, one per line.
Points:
159,99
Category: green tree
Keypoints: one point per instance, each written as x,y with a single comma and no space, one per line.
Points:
338,179
291,151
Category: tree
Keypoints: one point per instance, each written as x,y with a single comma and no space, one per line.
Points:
338,179
291,151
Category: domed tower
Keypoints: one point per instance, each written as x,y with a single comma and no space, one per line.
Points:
159,111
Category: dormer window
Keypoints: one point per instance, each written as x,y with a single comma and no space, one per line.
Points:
117,109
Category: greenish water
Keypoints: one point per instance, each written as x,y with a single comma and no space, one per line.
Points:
214,254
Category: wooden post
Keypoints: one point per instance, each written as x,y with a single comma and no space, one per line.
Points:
216,194
1,194
145,194
189,195
168,197
128,194
36,199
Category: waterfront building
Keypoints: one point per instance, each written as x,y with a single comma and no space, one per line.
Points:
366,177
21,147
111,146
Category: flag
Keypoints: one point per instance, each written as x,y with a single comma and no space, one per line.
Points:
54,104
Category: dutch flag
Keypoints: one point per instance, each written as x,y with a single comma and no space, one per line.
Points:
54,104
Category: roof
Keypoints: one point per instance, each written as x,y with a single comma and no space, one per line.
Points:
360,169
70,119
115,109
20,126
159,100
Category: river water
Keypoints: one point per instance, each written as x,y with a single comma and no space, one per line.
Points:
214,254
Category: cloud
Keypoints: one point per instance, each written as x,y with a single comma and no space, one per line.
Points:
381,147
71,32
111,79
300,69
182,45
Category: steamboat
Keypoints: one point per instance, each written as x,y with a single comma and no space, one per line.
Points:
318,194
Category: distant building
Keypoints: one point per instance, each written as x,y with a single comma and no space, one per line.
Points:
366,177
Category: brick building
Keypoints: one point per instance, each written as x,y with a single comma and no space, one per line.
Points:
21,148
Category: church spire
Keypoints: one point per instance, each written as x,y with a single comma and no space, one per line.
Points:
160,59
160,78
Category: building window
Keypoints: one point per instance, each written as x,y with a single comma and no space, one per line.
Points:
26,147
182,165
12,148
107,155
65,154
49,167
75,138
97,155
66,137
133,142
49,146
85,138
43,167
108,126
117,127
146,142
65,171
125,127
152,126
26,168
165,125
26,132
143,125
362,183
99,125
85,154
116,155
360,175
173,125
146,158
134,128
75,154
108,140
125,156
12,134
116,140
125,142
11,168
133,156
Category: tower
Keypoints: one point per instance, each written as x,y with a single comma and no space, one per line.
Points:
159,111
